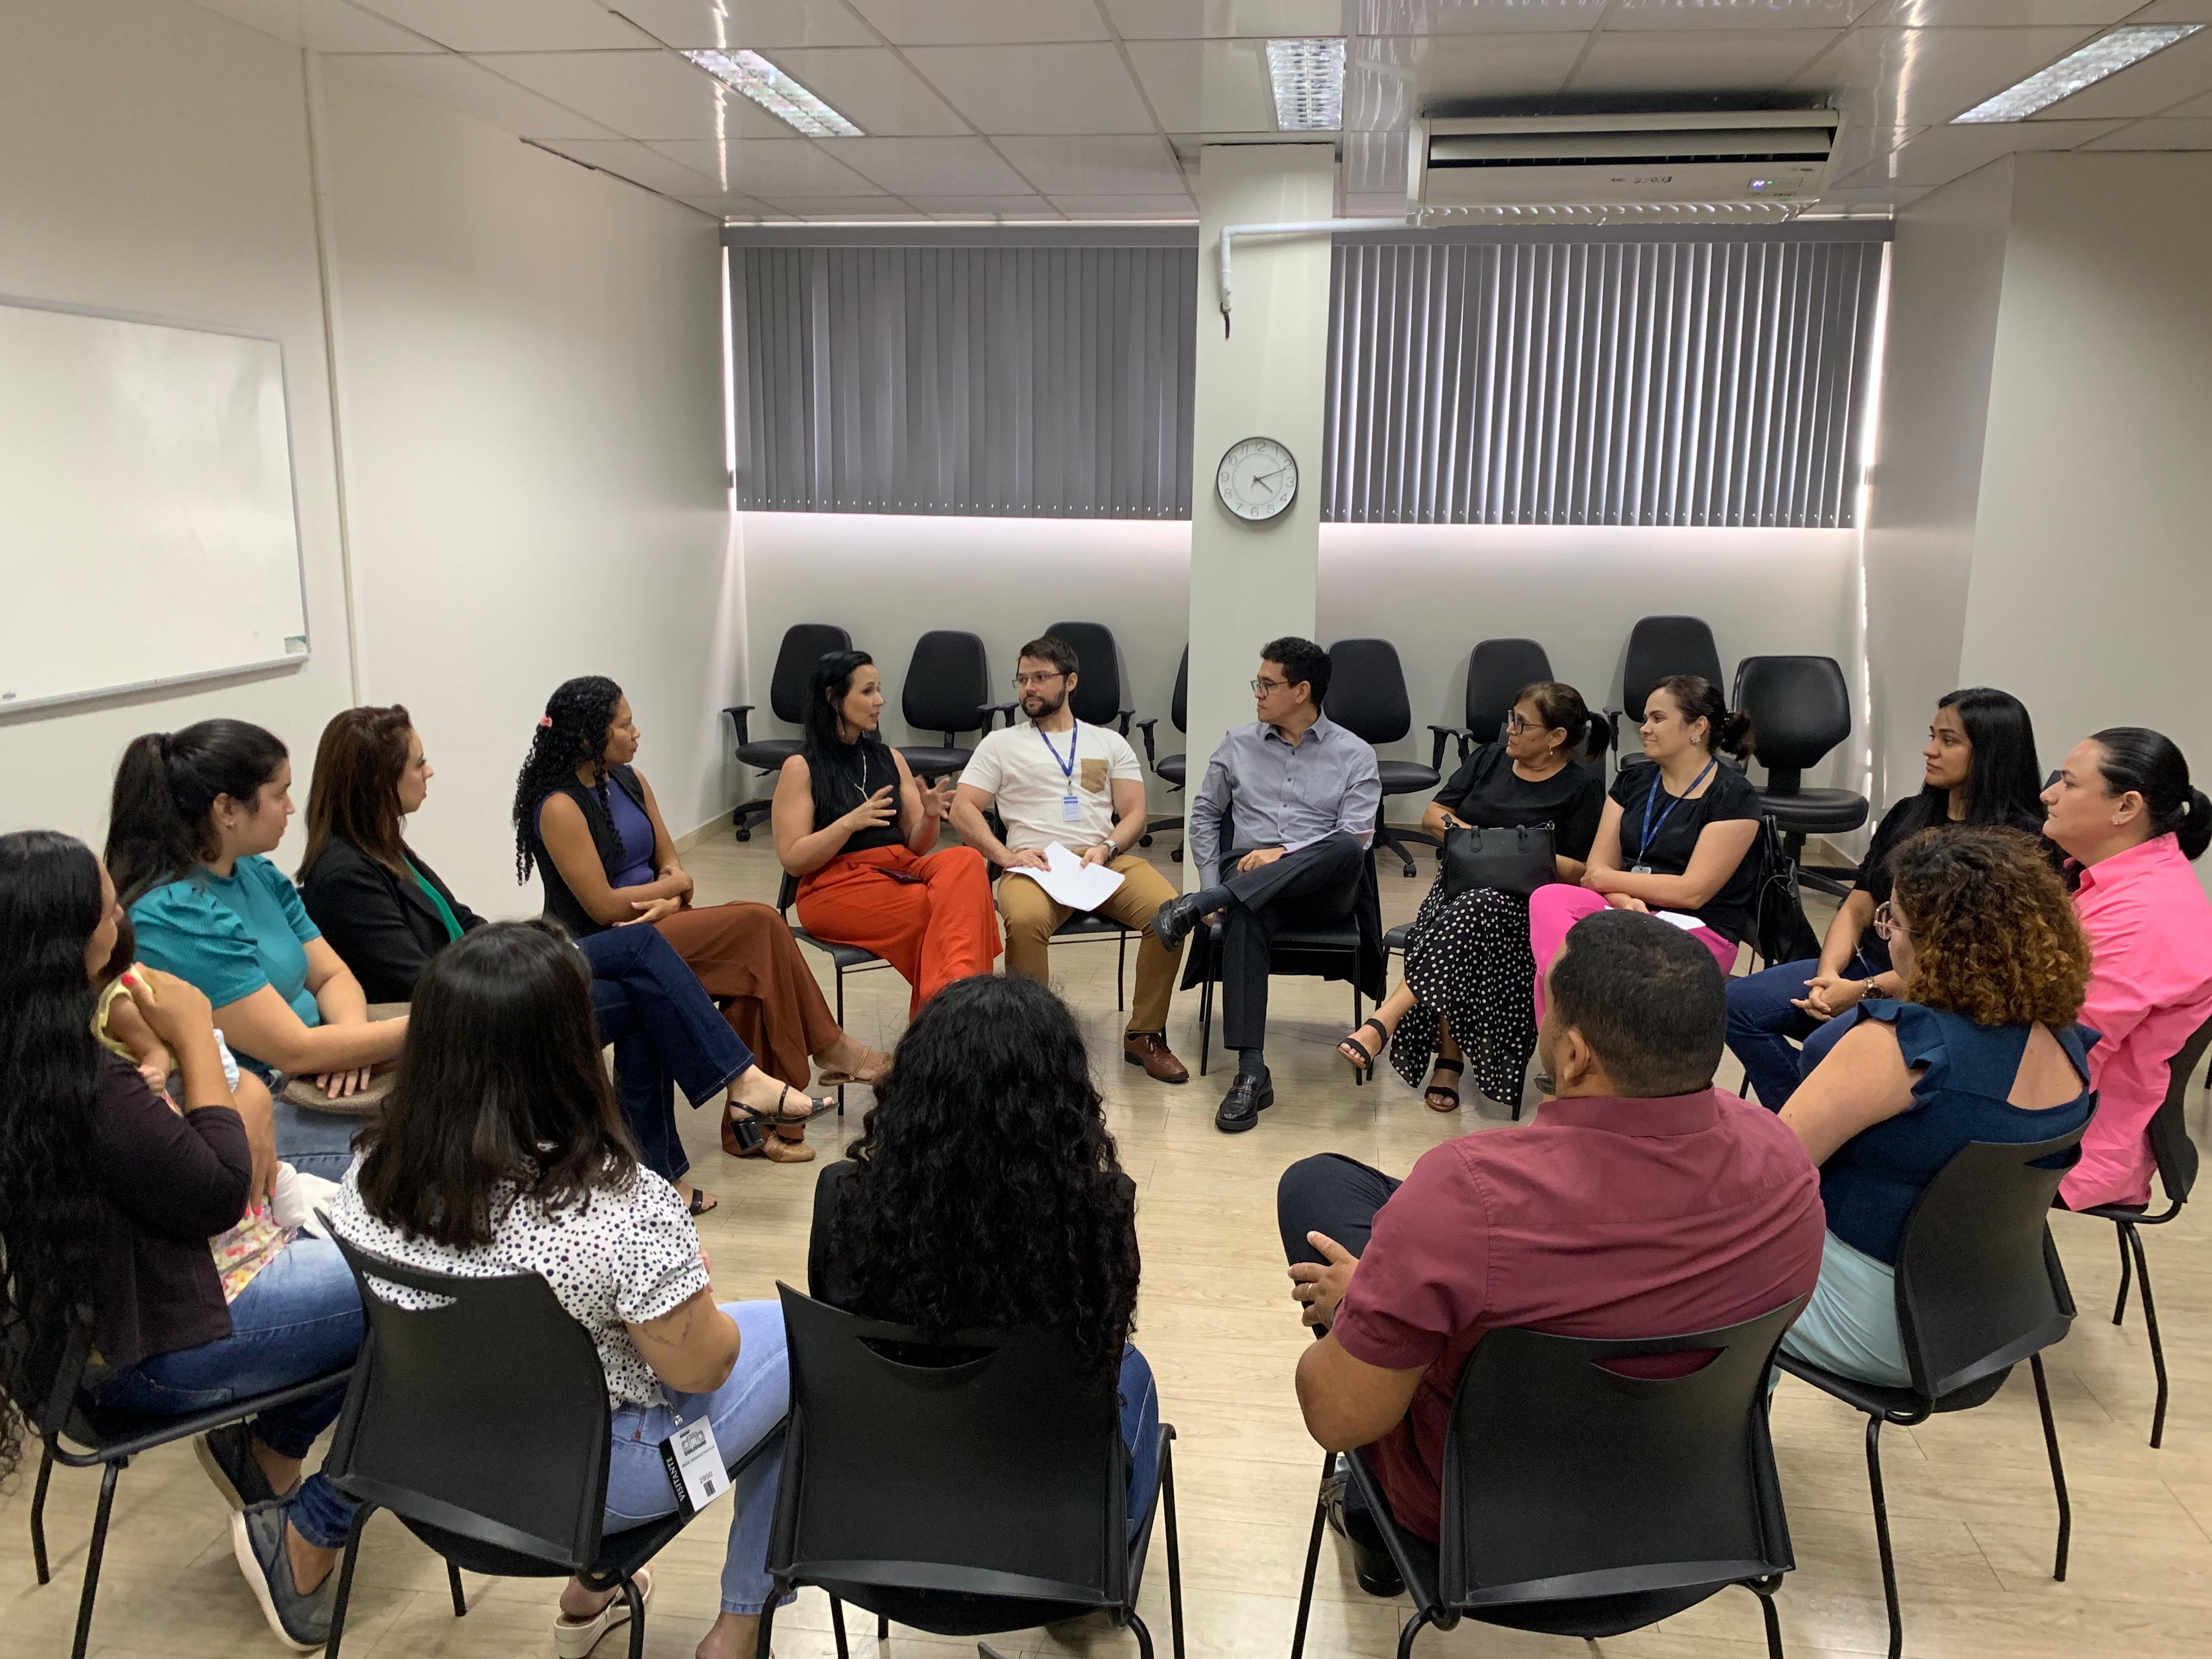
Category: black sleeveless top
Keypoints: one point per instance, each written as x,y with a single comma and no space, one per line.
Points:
846,777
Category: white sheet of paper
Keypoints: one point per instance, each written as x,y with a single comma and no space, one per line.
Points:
1078,885
1686,923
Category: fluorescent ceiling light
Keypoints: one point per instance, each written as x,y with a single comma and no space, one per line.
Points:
775,92
2083,67
1308,78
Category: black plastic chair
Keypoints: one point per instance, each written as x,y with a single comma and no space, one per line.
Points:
1580,1502
77,1432
843,958
804,644
1169,769
1980,1288
1799,710
1659,648
482,1424
1097,698
2176,1156
948,691
1367,697
1322,952
962,1487
1495,672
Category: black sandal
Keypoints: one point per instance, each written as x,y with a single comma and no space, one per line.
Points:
780,1116
1429,1094
1361,1059
698,1208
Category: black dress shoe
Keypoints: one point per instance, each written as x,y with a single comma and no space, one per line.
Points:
1241,1106
1370,1562
1172,922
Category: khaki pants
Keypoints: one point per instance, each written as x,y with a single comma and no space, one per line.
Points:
1031,913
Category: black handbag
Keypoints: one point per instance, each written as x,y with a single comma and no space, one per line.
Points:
1517,861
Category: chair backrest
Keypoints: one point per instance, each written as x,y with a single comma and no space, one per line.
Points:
1565,1479
1097,696
2170,1143
1799,708
1659,647
1495,672
1179,707
1367,690
804,644
984,1465
947,683
44,1376
486,1416
1978,1284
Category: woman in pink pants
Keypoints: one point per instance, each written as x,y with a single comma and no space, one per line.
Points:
1676,835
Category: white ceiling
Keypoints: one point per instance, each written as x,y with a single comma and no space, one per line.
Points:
1094,109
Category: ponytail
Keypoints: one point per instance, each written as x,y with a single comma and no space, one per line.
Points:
2151,764
1698,698
160,817
1562,709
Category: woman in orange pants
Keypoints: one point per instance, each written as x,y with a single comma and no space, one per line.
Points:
852,825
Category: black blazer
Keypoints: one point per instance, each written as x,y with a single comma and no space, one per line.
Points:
382,924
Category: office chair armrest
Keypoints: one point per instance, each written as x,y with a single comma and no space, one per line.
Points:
990,711
1147,727
737,713
1612,718
1459,734
1124,716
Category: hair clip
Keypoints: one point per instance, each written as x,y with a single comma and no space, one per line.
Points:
545,722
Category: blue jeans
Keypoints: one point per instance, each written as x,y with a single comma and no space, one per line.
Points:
663,1025
300,1318
1140,1432
1761,1022
744,1410
319,1143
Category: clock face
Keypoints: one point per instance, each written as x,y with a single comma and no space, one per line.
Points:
1258,479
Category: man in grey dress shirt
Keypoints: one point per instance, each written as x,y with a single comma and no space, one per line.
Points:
1299,795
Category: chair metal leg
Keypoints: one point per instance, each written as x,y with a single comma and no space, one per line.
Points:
454,1584
1144,1636
1882,1537
775,1594
1413,1629
1121,974
38,1514
1205,1006
1359,1072
1174,1547
838,1625
2120,1302
636,1600
882,1628
107,1477
2057,1470
840,976
2132,1237
344,1596
1313,1556
1764,1589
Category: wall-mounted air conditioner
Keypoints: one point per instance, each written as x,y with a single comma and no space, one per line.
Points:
1599,161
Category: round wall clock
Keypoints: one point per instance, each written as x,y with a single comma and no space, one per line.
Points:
1258,479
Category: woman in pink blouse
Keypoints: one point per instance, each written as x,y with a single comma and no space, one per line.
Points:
2125,814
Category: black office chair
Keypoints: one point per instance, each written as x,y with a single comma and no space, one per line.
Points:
1097,699
1579,1502
843,958
1367,697
1168,769
47,1385
2176,1155
804,644
1658,648
1980,1288
482,1424
963,1487
1800,708
947,690
1495,672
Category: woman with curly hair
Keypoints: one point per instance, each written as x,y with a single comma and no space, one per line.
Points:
1980,1047
984,1191
586,822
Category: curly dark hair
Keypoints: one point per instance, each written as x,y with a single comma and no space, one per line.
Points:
1994,935
985,1189
51,1218
573,732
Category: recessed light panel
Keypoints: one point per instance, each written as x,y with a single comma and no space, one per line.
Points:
2085,66
1309,78
775,92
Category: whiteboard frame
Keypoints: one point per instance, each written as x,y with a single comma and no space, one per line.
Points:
10,709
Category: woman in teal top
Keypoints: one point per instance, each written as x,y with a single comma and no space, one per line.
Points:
194,815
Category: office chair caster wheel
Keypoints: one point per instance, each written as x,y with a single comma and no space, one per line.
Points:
1143,841
744,832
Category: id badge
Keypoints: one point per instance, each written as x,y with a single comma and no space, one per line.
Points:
1641,870
1070,809
695,1466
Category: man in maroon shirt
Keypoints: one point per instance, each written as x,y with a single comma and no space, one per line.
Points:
1642,1202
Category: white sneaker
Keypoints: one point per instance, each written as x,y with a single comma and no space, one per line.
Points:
573,1638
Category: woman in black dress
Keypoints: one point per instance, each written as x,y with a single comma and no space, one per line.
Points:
1469,975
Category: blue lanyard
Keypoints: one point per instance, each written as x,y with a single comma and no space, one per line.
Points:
1068,766
1673,801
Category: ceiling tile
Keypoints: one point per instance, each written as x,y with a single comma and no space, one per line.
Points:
1375,161
1126,207
1388,204
1192,20
1736,14
727,207
1995,14
962,22
1486,17
984,207
1037,89
1698,60
842,207
2192,134
2157,83
512,25
2175,11
640,94
1207,86
329,25
2194,106
1095,167
872,87
628,158
1889,78
908,166
768,166
1942,154
1863,144
1390,79
468,89
756,23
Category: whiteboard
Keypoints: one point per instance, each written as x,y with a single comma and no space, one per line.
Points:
148,528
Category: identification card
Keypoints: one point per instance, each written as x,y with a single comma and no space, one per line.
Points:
1070,809
695,1468
1641,870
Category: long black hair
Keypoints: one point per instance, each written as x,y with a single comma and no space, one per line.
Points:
49,1215
2152,764
161,819
985,1189
574,730
2004,783
499,1081
825,696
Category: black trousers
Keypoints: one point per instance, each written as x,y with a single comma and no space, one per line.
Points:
1313,887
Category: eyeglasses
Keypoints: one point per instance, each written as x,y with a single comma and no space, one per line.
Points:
1260,688
1888,925
1023,682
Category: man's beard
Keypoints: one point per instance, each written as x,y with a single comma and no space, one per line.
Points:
1047,706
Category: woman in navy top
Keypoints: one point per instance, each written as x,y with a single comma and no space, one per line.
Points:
1994,968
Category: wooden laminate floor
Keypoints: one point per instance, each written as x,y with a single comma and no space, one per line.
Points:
1969,1496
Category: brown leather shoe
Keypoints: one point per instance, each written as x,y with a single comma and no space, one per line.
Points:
1150,1050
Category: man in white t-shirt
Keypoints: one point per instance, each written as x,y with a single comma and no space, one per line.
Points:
1057,779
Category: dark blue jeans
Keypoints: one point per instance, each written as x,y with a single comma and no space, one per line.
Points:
664,1026
1140,1432
1761,1021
